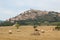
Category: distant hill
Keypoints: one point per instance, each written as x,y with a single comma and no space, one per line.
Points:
37,15
1,21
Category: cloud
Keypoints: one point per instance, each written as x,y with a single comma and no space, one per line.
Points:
43,4
49,5
14,7
6,13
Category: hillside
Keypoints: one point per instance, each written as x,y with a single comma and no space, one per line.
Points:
29,14
36,16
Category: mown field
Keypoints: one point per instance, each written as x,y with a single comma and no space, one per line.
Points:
26,31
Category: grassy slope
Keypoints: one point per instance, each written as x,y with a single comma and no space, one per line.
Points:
25,33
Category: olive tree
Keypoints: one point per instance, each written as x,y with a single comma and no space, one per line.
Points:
57,27
17,25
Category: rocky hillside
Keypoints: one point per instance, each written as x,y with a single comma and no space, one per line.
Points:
37,14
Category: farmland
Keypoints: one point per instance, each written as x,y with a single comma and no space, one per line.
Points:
25,33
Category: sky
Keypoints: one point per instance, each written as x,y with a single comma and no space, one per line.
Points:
11,8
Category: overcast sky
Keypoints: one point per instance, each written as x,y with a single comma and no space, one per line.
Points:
11,8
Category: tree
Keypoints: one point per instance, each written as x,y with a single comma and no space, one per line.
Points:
17,25
35,26
57,27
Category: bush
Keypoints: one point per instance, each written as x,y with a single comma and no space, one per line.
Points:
57,28
6,23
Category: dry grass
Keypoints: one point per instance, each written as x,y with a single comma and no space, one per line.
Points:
26,31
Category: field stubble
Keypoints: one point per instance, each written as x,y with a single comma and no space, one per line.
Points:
26,31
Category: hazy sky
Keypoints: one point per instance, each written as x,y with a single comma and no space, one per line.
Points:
11,8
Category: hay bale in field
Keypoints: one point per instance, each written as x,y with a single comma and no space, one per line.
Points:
53,29
36,32
10,31
42,31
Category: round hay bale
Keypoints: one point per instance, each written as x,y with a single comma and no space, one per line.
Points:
36,33
42,31
53,29
10,31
